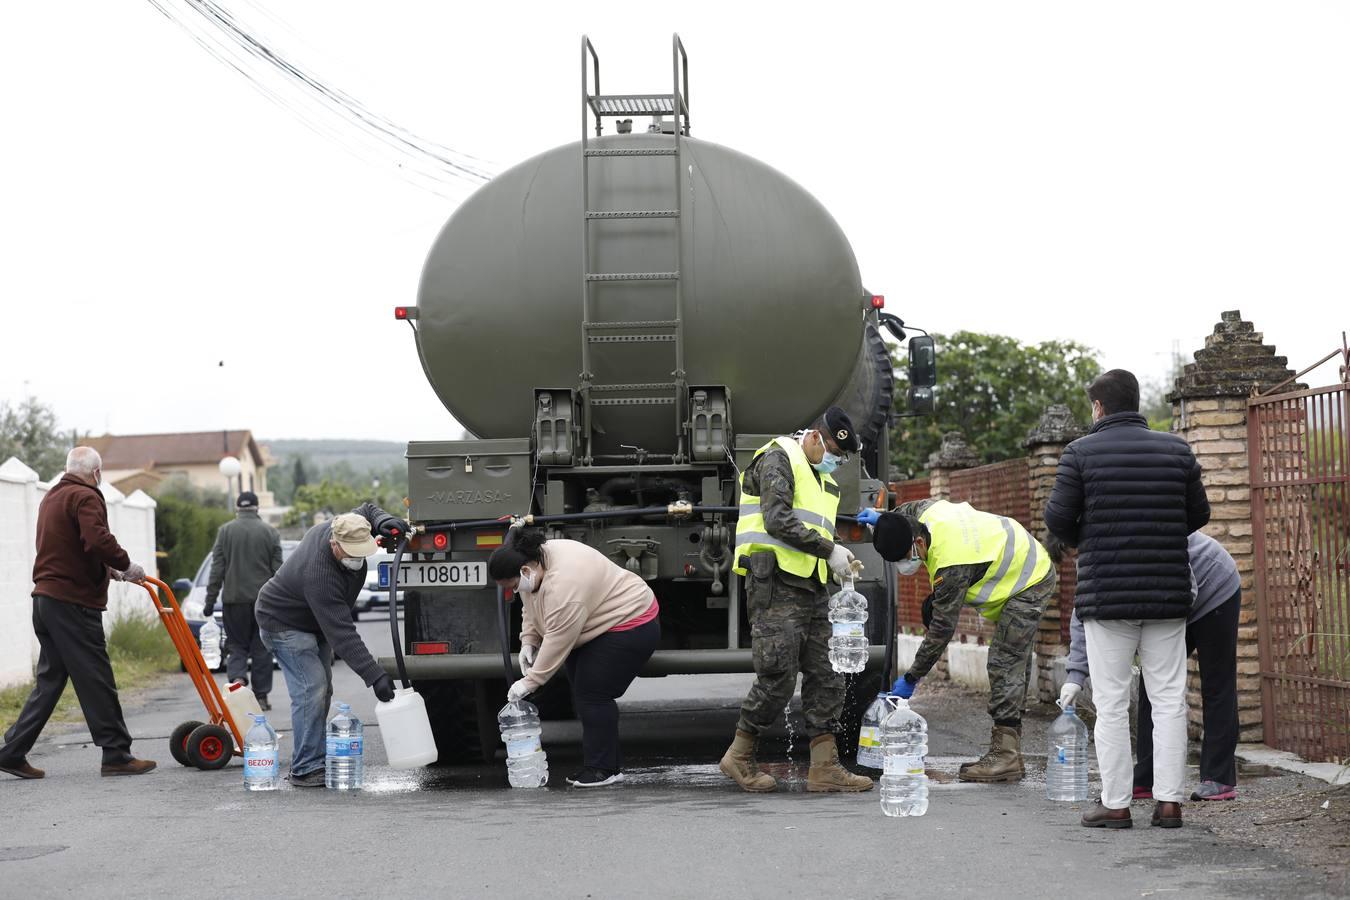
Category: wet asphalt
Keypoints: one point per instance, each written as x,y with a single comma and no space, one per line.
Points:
675,828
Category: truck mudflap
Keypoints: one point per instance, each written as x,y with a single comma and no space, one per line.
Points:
469,666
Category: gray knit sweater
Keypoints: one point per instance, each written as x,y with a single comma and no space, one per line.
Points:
314,592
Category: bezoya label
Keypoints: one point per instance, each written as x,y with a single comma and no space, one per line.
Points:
523,746
338,746
847,629
260,764
904,765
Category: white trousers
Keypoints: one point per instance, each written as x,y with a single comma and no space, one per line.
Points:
1111,647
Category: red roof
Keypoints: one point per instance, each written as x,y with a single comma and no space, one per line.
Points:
145,451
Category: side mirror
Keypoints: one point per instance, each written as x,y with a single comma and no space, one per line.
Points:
922,361
921,401
182,587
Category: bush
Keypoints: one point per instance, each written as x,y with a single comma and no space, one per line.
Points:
142,638
186,521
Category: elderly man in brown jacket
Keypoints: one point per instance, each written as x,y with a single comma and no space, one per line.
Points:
76,558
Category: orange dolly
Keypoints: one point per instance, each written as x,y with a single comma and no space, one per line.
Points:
206,745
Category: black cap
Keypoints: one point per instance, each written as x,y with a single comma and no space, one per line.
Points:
247,500
892,536
840,428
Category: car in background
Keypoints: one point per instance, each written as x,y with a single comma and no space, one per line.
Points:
191,596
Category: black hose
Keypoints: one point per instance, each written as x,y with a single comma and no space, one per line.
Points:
504,632
891,582
393,609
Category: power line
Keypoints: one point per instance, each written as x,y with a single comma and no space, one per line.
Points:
326,110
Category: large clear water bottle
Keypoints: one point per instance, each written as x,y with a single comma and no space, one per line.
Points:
1066,760
526,763
210,639
343,768
869,735
904,743
848,639
262,763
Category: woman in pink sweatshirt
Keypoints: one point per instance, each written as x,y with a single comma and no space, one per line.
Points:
584,613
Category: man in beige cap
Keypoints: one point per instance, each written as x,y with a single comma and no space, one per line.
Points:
305,612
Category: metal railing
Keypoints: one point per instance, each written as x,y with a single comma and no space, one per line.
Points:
1299,457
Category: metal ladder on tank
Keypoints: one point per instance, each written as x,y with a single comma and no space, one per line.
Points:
622,331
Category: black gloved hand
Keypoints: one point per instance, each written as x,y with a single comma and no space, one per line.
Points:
391,529
1056,548
383,688
209,609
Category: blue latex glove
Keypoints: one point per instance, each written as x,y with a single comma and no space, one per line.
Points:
869,516
904,687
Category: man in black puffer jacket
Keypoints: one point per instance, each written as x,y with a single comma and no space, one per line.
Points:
1127,497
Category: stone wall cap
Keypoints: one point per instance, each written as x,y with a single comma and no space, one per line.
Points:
1233,363
1055,426
954,453
13,470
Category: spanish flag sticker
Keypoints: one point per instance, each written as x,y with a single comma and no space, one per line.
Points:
485,541
938,581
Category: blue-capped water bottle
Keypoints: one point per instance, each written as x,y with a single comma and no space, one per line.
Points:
262,764
1066,759
343,762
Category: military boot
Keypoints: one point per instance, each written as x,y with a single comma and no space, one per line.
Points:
826,774
738,764
1003,762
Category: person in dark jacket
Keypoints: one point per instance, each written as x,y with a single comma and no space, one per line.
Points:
305,612
1127,497
246,554
76,558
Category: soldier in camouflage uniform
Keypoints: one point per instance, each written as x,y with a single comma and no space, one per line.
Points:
1008,576
789,624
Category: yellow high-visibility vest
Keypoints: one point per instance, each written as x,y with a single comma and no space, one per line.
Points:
814,502
961,535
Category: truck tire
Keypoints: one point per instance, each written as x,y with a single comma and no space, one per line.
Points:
463,719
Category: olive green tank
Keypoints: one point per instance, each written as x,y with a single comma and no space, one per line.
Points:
773,307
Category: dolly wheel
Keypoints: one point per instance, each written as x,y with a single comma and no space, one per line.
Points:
210,747
178,742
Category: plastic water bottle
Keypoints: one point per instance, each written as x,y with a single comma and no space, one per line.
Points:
343,769
869,735
848,640
904,741
1066,761
526,763
210,637
262,768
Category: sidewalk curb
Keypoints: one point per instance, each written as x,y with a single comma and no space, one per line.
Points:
1261,754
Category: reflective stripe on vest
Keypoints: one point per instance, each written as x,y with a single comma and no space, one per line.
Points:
961,535
814,503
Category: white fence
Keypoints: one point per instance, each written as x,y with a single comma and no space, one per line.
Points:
132,520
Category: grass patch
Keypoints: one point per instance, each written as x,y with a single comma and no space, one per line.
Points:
140,651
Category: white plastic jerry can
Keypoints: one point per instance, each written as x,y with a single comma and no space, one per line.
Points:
406,730
242,706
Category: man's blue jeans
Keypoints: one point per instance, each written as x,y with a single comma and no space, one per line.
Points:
307,662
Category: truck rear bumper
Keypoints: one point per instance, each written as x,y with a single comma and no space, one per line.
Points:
663,662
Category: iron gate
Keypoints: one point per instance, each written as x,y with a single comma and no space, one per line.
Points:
1299,452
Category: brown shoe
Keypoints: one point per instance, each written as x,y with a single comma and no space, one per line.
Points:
1002,763
826,774
1166,815
22,769
738,764
130,767
1102,817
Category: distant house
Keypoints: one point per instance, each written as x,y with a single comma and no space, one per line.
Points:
144,461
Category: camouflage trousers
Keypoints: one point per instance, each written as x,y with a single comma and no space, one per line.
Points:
789,633
1010,650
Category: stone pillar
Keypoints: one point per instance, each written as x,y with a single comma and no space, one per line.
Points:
1044,443
1209,409
954,454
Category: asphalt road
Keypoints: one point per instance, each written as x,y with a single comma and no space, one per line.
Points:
677,828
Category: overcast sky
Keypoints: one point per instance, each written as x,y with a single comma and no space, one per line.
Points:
1115,174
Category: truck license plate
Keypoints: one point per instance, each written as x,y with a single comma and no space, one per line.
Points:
436,574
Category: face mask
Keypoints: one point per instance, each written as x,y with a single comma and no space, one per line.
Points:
911,565
353,564
828,462
527,583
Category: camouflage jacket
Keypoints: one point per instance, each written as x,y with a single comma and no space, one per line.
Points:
769,477
950,585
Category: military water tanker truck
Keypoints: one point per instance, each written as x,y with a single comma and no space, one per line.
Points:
621,323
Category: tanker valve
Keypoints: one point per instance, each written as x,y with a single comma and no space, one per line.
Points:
680,509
